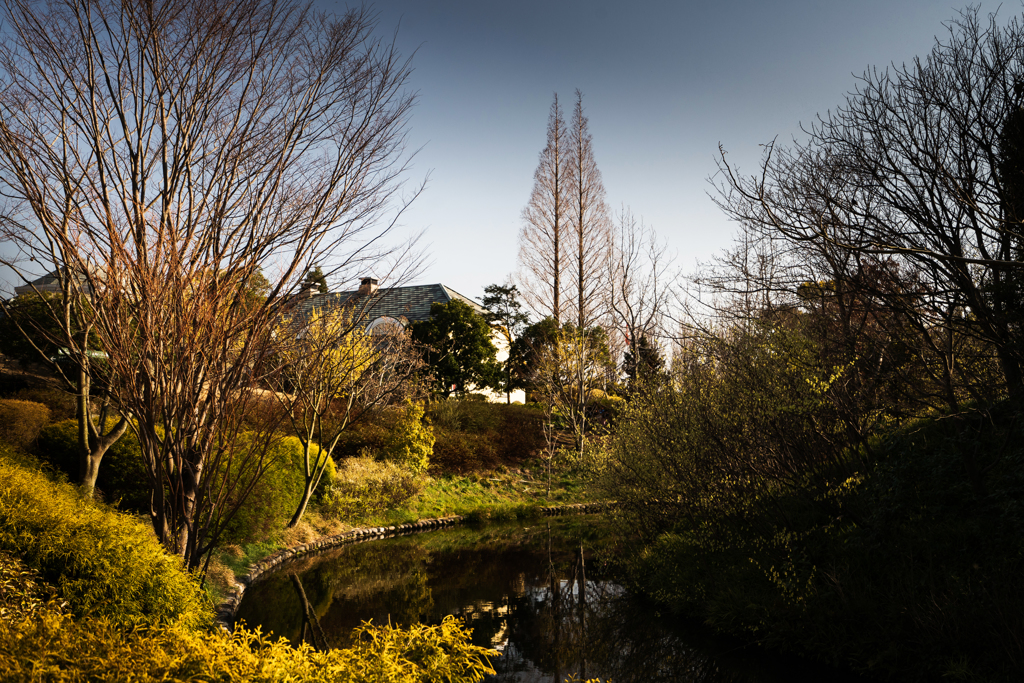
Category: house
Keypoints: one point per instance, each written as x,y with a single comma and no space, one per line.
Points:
383,307
50,283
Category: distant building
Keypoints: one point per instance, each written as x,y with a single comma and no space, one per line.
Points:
382,307
376,305
49,283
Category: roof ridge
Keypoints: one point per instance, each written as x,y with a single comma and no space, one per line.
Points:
449,291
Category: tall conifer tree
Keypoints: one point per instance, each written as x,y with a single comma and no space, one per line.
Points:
589,226
542,248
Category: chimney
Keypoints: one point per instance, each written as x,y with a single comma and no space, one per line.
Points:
368,286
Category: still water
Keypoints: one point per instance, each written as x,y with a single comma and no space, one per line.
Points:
542,594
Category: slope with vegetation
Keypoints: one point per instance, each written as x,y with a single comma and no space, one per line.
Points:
87,593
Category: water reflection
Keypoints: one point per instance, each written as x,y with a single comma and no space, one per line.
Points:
541,595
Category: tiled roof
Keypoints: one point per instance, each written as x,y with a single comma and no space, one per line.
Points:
49,283
407,304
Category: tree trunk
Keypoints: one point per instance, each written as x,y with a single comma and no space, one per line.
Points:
307,493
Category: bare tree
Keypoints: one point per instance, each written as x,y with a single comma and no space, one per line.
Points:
330,373
171,152
566,373
589,225
638,283
58,329
542,241
920,169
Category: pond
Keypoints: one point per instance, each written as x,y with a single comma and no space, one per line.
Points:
543,594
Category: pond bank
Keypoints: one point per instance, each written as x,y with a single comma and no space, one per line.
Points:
544,592
228,608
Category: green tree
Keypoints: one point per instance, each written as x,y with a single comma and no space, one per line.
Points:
505,314
457,347
642,362
316,278
525,353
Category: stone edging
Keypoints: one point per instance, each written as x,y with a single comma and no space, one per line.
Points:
227,610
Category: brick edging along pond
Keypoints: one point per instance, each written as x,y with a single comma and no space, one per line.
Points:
227,610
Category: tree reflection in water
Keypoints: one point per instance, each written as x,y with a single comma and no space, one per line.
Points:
541,595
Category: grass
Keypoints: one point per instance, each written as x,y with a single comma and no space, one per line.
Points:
499,494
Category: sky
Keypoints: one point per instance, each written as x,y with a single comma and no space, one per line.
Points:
664,84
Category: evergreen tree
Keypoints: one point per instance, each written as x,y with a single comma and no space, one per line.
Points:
505,314
542,240
457,347
316,278
642,362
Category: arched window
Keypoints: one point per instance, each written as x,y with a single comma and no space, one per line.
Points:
385,325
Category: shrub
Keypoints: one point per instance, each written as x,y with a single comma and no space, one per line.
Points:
522,433
62,404
327,479
104,563
122,478
40,640
411,441
472,435
363,487
603,408
22,592
54,646
20,421
461,452
275,496
367,437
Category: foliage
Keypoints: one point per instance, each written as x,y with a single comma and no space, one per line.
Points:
769,517
326,380
43,638
21,421
642,362
459,452
30,330
105,564
276,493
22,592
60,403
457,346
568,371
924,573
186,318
744,418
476,435
526,352
505,314
122,479
504,310
363,487
411,441
52,645
58,329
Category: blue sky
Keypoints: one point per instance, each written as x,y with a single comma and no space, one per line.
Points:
664,83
